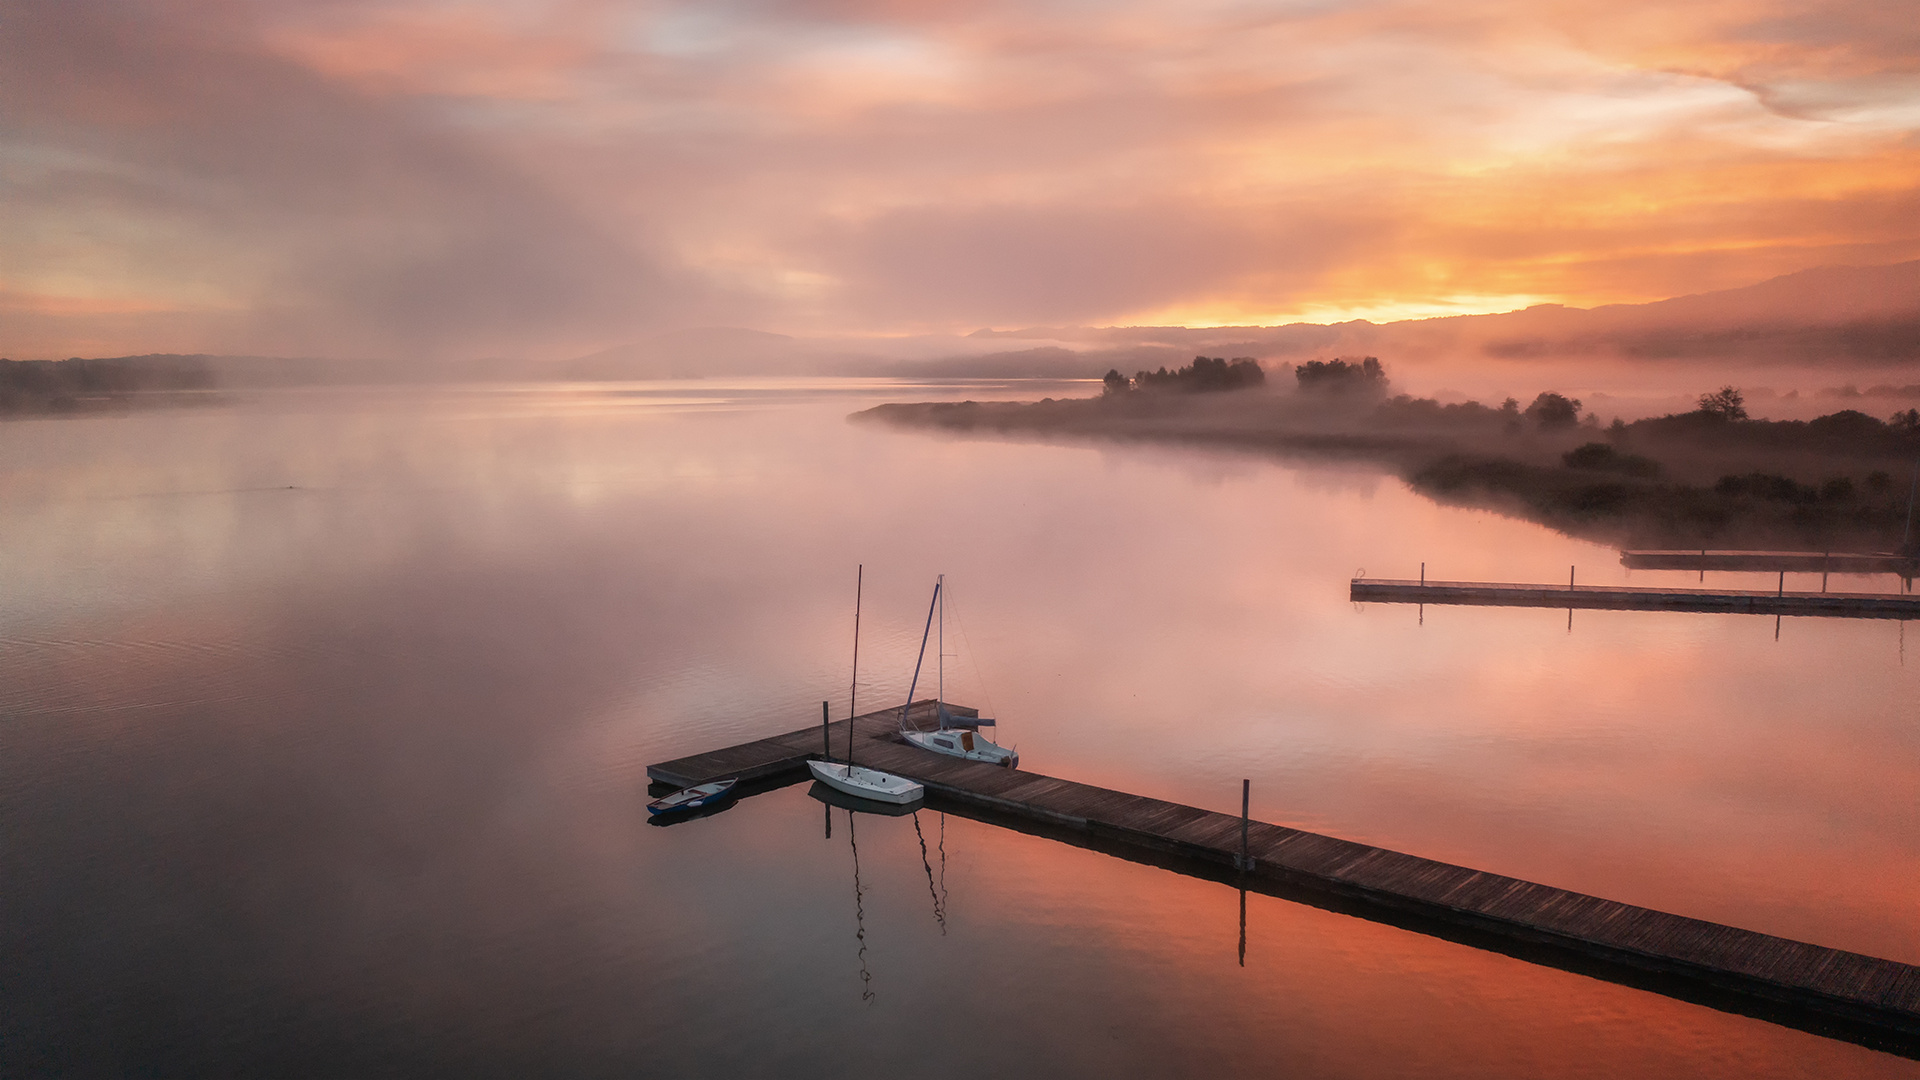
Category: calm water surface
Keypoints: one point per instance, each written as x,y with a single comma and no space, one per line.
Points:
324,721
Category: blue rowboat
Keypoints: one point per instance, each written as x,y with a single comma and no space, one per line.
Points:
696,797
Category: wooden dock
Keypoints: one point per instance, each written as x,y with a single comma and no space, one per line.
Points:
1792,562
1781,601
1847,995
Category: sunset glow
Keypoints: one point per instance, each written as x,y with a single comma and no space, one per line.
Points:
546,179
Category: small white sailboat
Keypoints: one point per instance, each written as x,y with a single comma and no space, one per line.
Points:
848,778
958,736
963,743
863,783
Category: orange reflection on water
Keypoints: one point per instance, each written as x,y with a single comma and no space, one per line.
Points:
1335,995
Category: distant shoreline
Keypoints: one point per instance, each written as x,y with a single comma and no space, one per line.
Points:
1689,480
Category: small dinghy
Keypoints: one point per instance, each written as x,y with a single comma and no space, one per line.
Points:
865,783
697,797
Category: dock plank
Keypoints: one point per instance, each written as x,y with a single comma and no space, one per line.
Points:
1621,598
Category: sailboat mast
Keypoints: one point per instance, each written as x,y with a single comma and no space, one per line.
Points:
859,579
940,695
922,658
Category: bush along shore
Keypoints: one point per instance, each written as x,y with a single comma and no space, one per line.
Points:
1709,478
57,387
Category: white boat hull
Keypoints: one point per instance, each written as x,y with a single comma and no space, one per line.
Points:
864,783
964,744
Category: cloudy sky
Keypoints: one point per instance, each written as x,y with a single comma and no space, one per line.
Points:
519,177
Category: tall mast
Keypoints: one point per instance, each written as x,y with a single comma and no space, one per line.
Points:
922,658
940,695
859,578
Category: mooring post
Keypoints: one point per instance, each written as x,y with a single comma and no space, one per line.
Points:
826,733
1782,590
1243,863
1423,575
1569,579
1906,538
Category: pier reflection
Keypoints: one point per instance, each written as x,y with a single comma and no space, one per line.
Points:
1864,1033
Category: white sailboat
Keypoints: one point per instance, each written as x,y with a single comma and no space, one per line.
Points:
861,783
958,736
851,779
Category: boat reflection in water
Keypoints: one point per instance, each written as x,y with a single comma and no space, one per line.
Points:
854,806
936,886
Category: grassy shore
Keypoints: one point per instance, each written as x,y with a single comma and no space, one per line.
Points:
1700,479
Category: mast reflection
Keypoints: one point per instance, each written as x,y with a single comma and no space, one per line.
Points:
859,913
939,904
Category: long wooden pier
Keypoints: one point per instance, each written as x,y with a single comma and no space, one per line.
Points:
1793,562
1843,994
1781,601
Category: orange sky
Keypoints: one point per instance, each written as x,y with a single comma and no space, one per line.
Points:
426,177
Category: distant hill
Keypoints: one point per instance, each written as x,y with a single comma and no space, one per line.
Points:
1862,315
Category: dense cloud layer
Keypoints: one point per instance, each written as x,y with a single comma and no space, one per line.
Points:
166,171
427,177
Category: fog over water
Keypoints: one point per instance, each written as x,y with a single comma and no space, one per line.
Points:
324,721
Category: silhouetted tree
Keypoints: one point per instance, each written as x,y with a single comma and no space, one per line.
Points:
1510,414
1116,383
1551,410
1342,376
1204,374
1726,403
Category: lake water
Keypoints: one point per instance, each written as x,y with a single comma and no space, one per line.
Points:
326,718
